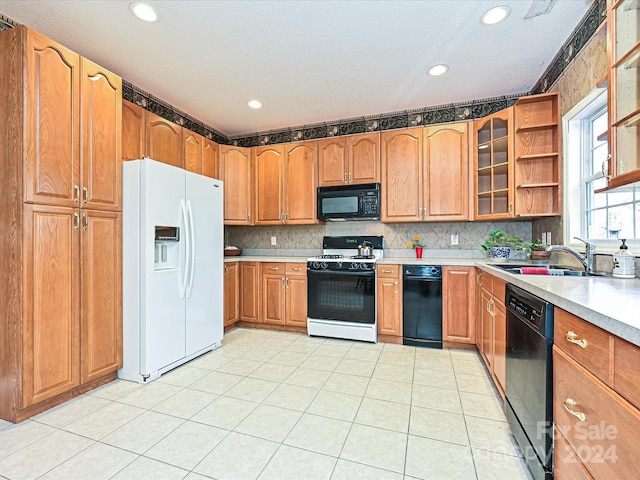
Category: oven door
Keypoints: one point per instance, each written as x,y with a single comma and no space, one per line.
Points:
344,296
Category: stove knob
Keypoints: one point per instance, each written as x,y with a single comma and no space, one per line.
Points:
338,265
324,265
315,265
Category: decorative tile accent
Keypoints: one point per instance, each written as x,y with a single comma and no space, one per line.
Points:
6,23
393,121
349,127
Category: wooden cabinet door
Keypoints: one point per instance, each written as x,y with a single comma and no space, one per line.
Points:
235,170
389,298
101,138
51,315
192,144
164,140
101,294
249,291
269,167
273,302
446,176
300,192
332,162
487,327
210,158
52,84
133,128
402,175
459,304
499,344
296,292
230,293
363,152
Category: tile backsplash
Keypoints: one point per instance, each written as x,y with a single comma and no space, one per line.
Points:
306,240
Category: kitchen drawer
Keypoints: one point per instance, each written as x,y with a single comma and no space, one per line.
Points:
274,268
389,271
607,439
295,268
566,465
485,280
586,343
626,373
498,288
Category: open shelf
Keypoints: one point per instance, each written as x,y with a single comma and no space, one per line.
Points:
538,185
534,156
630,120
539,126
603,136
633,61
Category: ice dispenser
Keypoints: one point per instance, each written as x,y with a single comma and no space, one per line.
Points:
167,247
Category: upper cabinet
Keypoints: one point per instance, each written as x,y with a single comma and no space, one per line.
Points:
210,158
164,140
537,155
349,160
133,131
425,174
493,165
286,184
623,30
200,154
235,172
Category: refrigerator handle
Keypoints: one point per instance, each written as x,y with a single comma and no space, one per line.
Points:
187,241
192,259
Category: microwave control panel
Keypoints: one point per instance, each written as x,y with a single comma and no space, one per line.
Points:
370,203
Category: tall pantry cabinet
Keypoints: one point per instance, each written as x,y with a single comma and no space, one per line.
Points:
60,214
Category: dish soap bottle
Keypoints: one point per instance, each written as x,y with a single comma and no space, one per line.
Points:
624,263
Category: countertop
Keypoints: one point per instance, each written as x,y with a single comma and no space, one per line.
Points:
612,304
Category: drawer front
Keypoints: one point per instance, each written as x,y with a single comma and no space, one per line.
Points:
586,343
485,280
566,465
274,268
388,271
626,370
296,269
607,439
498,289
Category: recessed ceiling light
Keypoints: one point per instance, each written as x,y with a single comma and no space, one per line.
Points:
437,70
495,15
254,103
144,12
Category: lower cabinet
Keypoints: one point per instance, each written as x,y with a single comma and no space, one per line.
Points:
284,294
389,299
231,293
458,306
249,291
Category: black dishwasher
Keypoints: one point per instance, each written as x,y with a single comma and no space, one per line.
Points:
422,306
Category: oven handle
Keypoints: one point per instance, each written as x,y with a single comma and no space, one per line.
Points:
342,273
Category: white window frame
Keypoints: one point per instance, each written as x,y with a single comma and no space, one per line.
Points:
574,187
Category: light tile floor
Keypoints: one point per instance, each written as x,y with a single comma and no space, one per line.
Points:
276,405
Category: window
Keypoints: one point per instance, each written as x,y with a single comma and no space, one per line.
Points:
602,218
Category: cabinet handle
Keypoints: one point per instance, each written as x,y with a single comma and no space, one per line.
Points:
605,167
282,282
225,269
569,405
349,177
511,209
85,191
296,269
86,222
345,178
77,189
573,338
478,275
395,287
274,268
387,271
76,225
286,217
286,282
248,217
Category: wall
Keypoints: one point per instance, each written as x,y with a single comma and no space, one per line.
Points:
305,240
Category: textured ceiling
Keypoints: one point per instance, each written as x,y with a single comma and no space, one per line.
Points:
307,61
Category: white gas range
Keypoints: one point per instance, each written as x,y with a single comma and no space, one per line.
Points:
342,289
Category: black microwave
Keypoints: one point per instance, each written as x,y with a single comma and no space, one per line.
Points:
349,202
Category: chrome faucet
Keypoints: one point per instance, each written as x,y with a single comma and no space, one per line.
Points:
587,261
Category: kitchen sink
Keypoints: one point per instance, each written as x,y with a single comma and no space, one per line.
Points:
556,270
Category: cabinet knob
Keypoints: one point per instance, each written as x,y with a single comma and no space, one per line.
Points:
570,405
572,337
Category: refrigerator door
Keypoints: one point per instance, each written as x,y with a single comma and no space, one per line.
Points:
204,292
162,320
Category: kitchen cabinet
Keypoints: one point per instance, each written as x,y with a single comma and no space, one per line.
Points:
250,291
591,411
492,326
61,331
231,293
458,306
236,173
349,160
210,158
133,131
164,140
537,155
284,294
624,101
200,154
286,184
425,173
493,166
389,300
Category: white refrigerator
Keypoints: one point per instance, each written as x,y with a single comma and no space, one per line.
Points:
173,248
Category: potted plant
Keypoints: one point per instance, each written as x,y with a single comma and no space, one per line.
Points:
416,244
499,244
537,250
